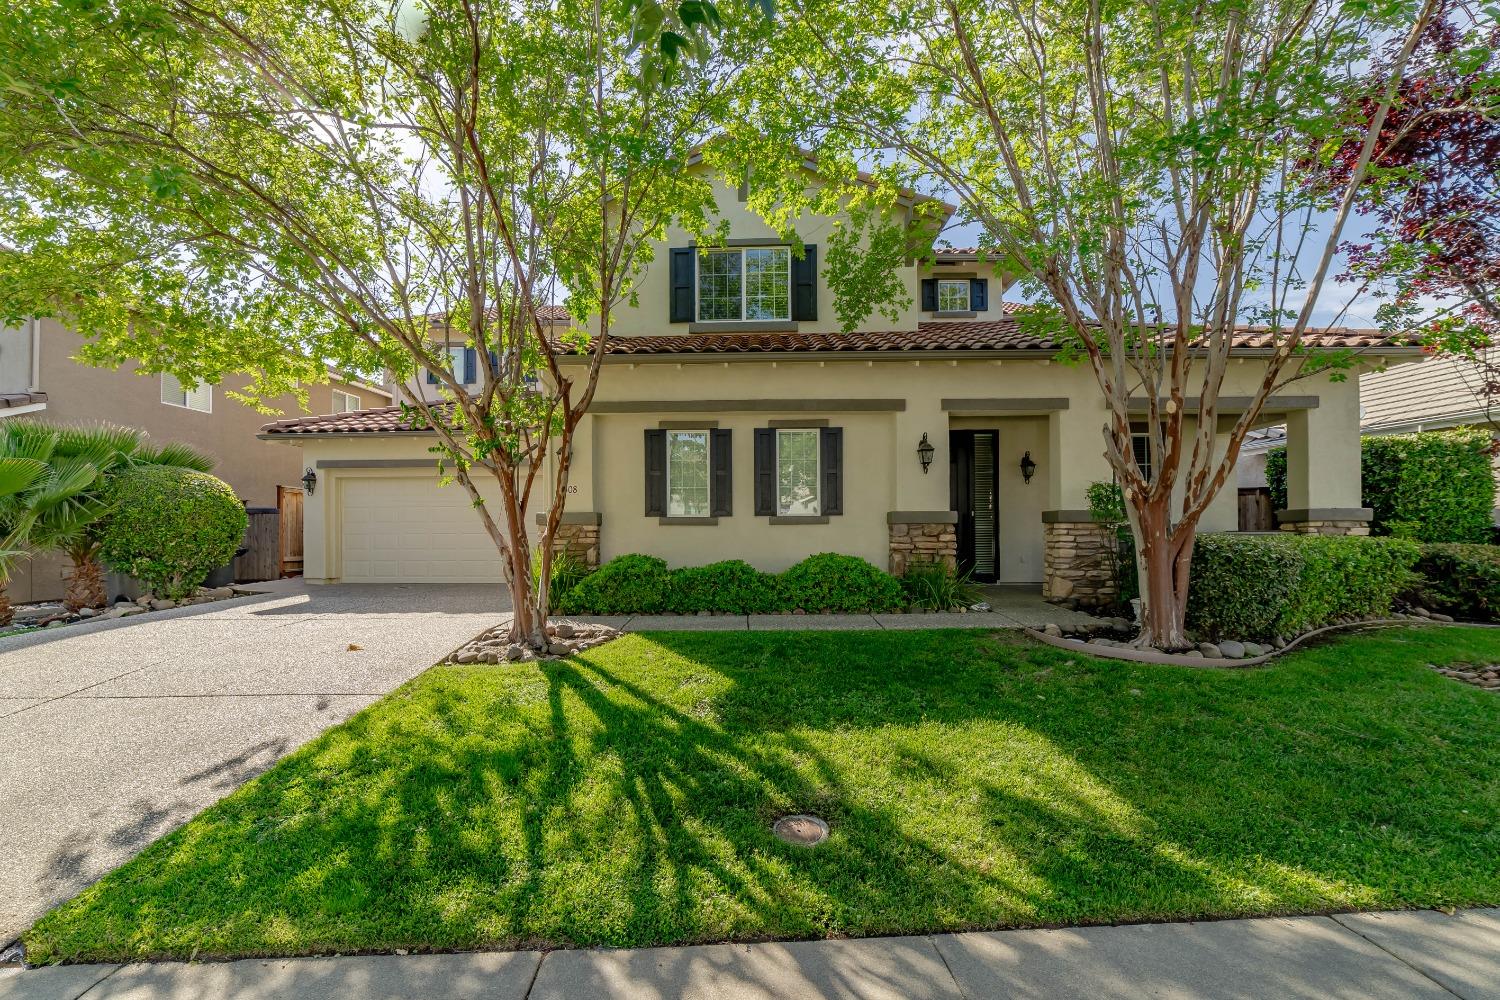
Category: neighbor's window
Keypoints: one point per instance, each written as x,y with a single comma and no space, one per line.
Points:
953,296
750,283
455,363
797,472
1140,444
174,394
343,402
687,473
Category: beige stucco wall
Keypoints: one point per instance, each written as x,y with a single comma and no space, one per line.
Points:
881,470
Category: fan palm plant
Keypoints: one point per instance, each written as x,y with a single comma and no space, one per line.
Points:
67,521
19,476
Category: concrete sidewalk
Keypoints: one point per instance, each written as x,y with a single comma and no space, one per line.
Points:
1371,956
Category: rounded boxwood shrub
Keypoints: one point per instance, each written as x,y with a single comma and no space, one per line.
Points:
732,586
837,583
170,527
1463,580
626,585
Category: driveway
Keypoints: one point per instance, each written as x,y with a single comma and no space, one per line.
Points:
114,733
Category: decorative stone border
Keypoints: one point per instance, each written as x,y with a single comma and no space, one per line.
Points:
564,638
36,624
1186,660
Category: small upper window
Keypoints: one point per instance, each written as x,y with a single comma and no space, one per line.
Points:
953,296
1140,444
173,393
797,471
455,364
687,474
343,402
754,283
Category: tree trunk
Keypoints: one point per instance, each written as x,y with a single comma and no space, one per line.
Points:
7,613
85,583
1163,554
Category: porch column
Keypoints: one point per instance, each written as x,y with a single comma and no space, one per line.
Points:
1323,467
578,531
920,523
1078,553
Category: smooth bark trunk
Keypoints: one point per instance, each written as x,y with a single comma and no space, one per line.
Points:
1163,555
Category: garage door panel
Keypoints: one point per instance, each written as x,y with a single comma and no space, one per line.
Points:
409,529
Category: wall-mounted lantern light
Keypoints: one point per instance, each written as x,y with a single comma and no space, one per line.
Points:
1028,467
924,452
310,481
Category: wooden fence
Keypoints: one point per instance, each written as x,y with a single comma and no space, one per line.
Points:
262,558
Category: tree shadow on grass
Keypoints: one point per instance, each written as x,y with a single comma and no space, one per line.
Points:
625,797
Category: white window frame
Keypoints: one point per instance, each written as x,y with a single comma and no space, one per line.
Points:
949,282
349,398
708,462
455,365
744,286
817,475
1140,448
174,393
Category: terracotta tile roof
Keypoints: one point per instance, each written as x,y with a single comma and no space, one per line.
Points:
377,420
947,336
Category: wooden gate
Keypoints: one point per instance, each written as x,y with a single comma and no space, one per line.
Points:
262,558
289,503
1255,510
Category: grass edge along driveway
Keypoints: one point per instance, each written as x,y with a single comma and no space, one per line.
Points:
971,779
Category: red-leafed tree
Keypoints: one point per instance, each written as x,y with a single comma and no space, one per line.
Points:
1433,194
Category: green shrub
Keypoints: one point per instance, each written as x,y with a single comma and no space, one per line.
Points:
935,586
170,527
838,583
1107,506
1462,580
1260,586
626,585
567,571
731,586
1437,486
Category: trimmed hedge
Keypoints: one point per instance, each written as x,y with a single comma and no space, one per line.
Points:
640,584
1260,586
1436,486
832,583
631,584
733,587
170,527
1462,580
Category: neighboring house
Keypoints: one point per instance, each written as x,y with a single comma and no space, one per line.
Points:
40,378
734,420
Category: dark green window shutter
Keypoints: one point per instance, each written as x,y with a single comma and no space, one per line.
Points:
929,295
656,473
979,294
470,372
721,464
832,454
682,284
765,472
805,284
431,377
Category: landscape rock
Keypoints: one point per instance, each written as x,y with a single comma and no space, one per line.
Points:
1209,650
1052,630
1439,617
1233,649
1256,649
563,630
163,604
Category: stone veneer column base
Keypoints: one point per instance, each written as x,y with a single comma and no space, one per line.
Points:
577,536
922,536
1077,559
1326,520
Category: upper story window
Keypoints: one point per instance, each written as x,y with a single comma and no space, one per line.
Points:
688,474
460,363
343,402
797,472
174,394
750,283
953,295
1140,446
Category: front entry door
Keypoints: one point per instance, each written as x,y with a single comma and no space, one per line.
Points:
975,484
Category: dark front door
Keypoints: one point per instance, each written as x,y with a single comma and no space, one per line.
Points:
975,484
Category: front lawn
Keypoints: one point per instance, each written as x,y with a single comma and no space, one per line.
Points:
971,780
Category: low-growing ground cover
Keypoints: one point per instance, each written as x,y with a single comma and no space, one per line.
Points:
625,797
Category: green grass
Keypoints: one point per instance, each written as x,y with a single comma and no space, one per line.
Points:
971,780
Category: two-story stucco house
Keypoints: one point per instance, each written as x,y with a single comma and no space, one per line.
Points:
39,378
733,419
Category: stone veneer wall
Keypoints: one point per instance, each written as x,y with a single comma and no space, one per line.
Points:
922,541
581,541
1327,527
1078,563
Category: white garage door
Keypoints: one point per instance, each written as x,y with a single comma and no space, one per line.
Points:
408,529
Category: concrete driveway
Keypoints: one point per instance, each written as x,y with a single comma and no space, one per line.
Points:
114,733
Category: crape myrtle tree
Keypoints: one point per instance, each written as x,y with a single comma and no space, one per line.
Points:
1432,194
1138,165
270,186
